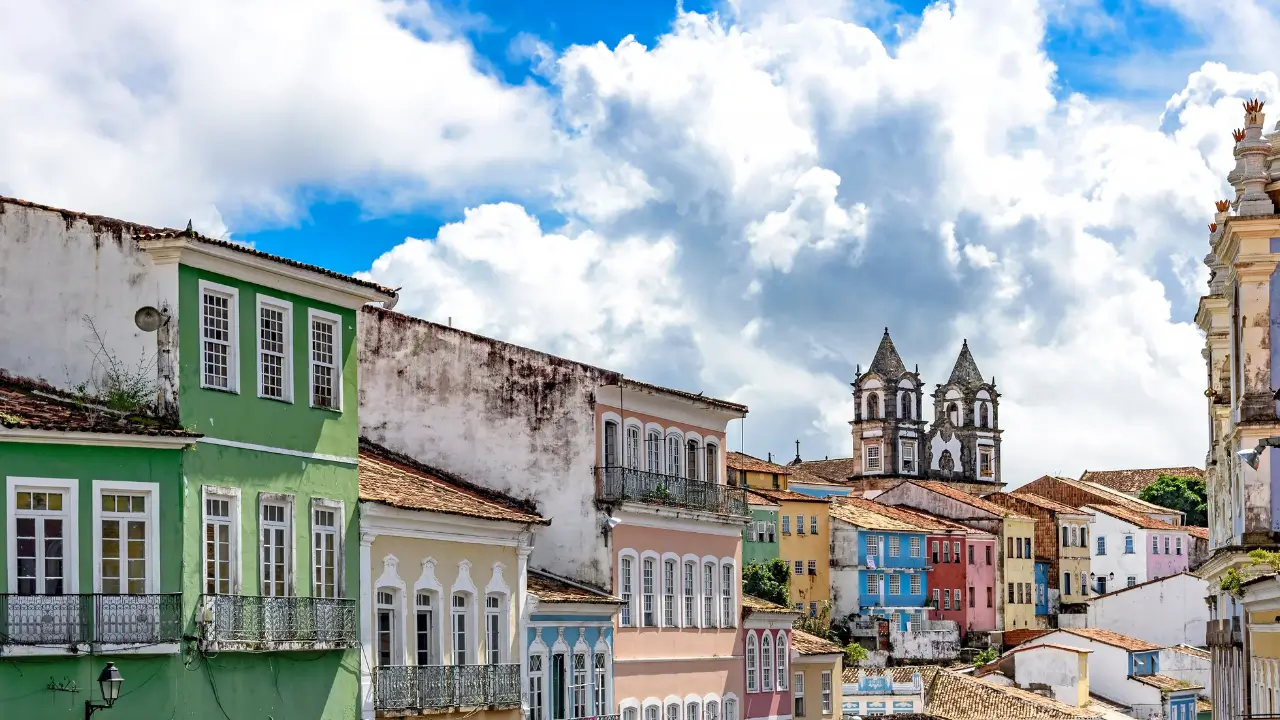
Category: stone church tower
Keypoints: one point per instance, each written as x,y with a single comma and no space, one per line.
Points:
963,445
887,423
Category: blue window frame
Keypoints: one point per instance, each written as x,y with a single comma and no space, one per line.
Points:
1102,545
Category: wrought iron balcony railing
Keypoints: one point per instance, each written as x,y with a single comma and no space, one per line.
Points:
97,619
251,622
616,484
426,687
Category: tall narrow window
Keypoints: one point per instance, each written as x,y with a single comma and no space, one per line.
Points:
537,703
386,628
753,657
424,630
786,524
1102,545
783,664
673,711
326,385
873,406
971,601
1128,544
691,459
711,711
217,545
1084,537
1065,536
904,406
873,544
797,693
909,456
766,662
578,685
984,416
273,349
691,711
646,584
826,692
275,550
601,670
1166,544
915,547
894,546
633,447
324,548
813,524
610,443
985,467
124,543
690,582
459,618
971,555
873,584
653,449
953,413
673,456
708,595
218,341
669,593
915,584
1177,546
987,550
40,525
624,573
726,596
1066,583
895,584
559,686
713,463
946,552
873,457
730,709
990,592
493,628
933,550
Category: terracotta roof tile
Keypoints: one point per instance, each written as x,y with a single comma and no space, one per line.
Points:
34,405
807,644
1166,683
1037,500
1203,706
552,589
963,697
833,470
860,513
1189,650
1017,637
752,604
787,495
1200,532
1139,519
742,461
1051,646
1141,584
1133,481
393,479
1114,639
928,520
964,497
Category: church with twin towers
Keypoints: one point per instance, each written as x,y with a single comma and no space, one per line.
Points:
893,442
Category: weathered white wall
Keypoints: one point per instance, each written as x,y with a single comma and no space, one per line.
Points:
844,571
1109,674
55,269
1116,560
942,642
505,417
1059,670
1185,666
1166,612
1073,620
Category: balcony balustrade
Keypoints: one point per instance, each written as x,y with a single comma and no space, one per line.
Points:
618,484
428,687
1223,633
104,621
250,622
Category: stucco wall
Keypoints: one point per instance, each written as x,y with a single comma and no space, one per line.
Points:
844,572
55,270
1185,666
1109,673
980,576
1019,570
1181,617
806,547
813,686
1164,564
1061,670
1116,560
506,417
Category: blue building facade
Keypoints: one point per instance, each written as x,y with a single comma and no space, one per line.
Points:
1042,588
568,649
893,581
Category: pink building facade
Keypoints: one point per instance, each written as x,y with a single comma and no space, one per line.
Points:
766,655
675,534
980,575
1168,552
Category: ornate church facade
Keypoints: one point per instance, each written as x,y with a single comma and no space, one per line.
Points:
892,442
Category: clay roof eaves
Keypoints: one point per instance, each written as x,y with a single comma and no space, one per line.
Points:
742,461
27,404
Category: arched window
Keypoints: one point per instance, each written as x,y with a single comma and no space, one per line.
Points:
601,675
651,712
712,710
782,661
712,470
709,595
904,405
691,459
611,444
691,711
653,451
753,659
633,447
984,416
673,455
388,627
873,406
730,709
673,711
766,662
953,413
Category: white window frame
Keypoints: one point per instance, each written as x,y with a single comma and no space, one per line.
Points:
986,454
712,469
338,508
907,450
314,314
873,545
873,462
397,625
627,616
730,706
290,530
689,573
670,586
709,610
873,579
70,527
233,346
601,678
915,547
471,643
895,546
786,524
895,584
826,692
433,609
648,590
285,307
632,452
151,516
753,662
915,585
797,694
674,457
727,584
766,661
495,620
232,495
654,447
537,689
783,652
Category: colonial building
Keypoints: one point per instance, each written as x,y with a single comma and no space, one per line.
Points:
817,669
767,656
1132,548
1062,542
568,648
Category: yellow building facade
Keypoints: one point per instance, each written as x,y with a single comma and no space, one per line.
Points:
817,682
804,529
1262,609
1018,572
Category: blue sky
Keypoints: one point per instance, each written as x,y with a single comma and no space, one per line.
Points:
737,207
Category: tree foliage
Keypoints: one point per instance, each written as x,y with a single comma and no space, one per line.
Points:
768,581
1180,493
1261,562
854,654
818,625
989,655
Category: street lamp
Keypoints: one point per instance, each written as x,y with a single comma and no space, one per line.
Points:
110,681
1251,457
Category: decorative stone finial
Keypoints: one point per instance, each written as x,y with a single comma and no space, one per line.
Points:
1223,205
1237,134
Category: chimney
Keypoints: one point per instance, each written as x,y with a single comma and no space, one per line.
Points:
1251,152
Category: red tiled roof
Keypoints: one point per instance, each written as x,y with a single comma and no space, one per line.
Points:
1132,482
1192,651
393,479
742,461
863,513
806,644
833,470
752,604
785,495
1114,639
1200,532
962,697
1017,637
1051,646
964,497
1166,683
918,519
552,589
1038,501
34,405
1133,517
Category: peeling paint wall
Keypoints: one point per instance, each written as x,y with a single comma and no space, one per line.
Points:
1181,619
1189,667
505,417
1060,671
56,268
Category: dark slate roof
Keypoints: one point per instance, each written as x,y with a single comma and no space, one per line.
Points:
965,373
887,362
555,589
33,405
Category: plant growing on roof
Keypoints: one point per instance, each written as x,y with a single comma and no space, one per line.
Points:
986,657
1261,562
115,384
818,625
854,654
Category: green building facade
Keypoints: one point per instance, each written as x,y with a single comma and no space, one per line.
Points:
760,537
211,548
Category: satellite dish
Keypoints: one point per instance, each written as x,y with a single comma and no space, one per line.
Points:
147,318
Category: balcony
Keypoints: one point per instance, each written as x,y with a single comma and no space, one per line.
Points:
250,622
1223,633
30,624
435,687
616,484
